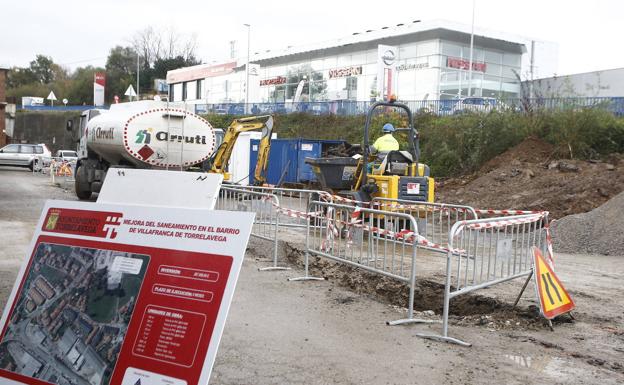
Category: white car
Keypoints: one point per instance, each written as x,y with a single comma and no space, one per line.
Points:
24,155
479,104
67,155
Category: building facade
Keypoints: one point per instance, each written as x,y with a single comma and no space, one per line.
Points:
605,83
414,61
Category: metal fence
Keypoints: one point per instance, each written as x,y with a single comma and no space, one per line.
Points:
369,239
383,237
486,252
267,220
293,202
443,107
434,220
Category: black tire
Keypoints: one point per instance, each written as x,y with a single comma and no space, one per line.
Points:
83,190
31,165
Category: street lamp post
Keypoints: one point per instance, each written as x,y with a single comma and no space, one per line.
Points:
138,74
247,68
471,50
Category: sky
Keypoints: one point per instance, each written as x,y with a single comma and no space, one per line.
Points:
79,33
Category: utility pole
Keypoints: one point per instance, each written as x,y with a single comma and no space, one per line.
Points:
471,50
138,90
247,68
532,68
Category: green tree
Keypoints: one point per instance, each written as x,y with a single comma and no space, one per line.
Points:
120,71
44,69
80,90
18,77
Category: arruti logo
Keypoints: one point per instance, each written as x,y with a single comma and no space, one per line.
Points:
143,136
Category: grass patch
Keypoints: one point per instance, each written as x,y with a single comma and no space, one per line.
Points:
54,276
130,286
101,303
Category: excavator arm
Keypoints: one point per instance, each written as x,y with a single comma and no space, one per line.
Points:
221,157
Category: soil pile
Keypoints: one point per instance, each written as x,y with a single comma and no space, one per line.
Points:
600,231
527,177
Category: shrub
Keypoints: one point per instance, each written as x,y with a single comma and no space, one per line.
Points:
453,145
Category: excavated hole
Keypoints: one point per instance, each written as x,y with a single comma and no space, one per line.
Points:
469,309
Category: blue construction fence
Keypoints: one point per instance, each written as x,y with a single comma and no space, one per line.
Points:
59,108
437,107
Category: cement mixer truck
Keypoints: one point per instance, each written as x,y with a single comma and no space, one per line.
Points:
143,134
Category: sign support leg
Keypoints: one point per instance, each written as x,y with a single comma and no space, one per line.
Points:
523,288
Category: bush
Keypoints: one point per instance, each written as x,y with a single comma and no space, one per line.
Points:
453,145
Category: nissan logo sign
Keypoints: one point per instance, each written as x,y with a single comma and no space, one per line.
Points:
388,57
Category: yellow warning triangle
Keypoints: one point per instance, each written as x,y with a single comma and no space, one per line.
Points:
553,297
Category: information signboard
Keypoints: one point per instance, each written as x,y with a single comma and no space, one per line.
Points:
122,295
161,188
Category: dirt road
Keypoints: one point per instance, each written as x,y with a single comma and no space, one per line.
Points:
334,332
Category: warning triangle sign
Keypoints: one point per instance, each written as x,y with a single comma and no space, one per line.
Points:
553,297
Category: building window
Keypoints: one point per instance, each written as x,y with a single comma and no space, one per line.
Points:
184,91
198,89
171,94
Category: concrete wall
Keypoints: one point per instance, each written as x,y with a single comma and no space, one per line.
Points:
44,127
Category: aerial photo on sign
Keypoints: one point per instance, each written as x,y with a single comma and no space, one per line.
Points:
72,314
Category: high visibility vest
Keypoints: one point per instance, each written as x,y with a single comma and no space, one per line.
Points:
386,143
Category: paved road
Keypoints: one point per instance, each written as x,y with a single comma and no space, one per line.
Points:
282,332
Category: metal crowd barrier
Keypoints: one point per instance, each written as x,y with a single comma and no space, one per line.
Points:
61,171
293,202
486,252
265,205
370,239
434,220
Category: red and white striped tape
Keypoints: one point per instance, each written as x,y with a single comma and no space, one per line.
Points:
408,235
502,223
507,212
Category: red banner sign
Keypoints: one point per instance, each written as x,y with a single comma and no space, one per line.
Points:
453,62
100,78
273,81
79,222
344,72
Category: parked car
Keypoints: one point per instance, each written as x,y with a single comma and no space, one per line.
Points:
479,104
24,155
67,155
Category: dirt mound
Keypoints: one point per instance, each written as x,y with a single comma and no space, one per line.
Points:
526,177
600,231
531,150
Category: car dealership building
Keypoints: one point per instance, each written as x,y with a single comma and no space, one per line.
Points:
414,61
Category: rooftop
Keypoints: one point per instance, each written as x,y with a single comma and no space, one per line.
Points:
364,40
399,30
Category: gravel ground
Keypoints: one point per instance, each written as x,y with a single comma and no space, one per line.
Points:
600,231
334,332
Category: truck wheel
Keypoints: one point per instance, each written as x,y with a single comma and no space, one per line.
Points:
83,191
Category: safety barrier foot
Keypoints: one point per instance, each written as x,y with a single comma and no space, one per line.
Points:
272,268
449,340
307,279
412,321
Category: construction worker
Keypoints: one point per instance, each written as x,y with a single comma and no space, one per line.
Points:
386,143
